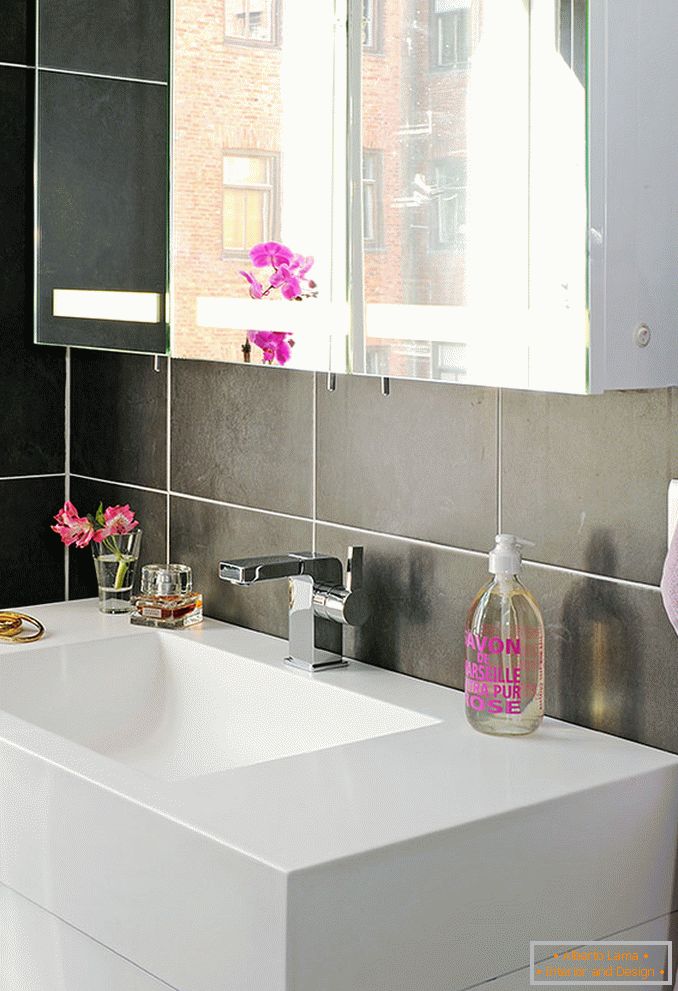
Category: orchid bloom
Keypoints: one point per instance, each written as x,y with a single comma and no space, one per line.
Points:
73,529
256,288
300,265
285,279
270,253
276,345
117,519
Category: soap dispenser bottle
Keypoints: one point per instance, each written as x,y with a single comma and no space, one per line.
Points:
504,669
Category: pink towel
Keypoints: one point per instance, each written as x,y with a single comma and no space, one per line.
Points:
669,582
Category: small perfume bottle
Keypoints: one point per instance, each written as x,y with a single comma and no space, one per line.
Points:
167,598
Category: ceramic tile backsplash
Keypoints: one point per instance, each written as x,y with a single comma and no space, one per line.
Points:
419,595
151,511
31,555
202,534
586,478
120,427
247,439
421,462
17,37
110,37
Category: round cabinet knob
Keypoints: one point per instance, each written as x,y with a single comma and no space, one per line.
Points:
642,335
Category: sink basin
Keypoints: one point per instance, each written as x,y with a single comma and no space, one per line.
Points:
177,709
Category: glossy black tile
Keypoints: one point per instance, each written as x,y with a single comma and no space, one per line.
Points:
420,462
610,657
243,435
102,191
31,555
111,37
31,378
17,38
419,597
151,511
585,478
119,433
202,534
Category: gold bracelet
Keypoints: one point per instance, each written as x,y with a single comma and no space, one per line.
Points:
11,624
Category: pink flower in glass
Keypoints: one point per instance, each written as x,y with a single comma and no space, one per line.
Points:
73,529
286,280
270,253
256,288
118,519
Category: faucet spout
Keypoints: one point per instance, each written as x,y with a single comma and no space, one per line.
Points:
249,570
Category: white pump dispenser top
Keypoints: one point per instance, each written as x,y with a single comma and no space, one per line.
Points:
506,556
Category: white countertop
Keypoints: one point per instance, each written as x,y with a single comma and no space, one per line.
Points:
342,801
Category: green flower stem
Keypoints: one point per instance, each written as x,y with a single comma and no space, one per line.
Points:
123,565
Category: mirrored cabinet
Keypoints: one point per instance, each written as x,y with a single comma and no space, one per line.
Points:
472,191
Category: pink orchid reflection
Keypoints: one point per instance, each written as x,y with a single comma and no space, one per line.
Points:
270,253
285,279
256,288
117,519
276,345
72,528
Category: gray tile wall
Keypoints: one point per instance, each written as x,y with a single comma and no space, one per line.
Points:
223,460
32,379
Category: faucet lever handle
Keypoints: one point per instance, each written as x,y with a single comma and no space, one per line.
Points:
354,569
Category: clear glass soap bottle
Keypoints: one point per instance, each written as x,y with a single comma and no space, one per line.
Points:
167,599
504,669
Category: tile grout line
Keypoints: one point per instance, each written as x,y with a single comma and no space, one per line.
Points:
559,568
19,478
168,465
314,481
499,456
99,75
67,462
15,65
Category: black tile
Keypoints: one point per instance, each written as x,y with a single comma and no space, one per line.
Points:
419,463
585,478
203,534
243,435
31,378
151,511
610,657
102,191
31,555
119,417
17,38
419,597
112,37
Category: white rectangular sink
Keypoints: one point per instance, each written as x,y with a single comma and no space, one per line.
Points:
223,821
177,709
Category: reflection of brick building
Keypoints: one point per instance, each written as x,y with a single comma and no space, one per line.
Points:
227,158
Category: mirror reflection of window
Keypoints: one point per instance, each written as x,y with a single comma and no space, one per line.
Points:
250,20
372,199
449,198
451,37
250,202
371,25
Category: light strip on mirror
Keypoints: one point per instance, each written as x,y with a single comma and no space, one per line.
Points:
99,304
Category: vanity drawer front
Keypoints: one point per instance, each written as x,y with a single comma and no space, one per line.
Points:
39,952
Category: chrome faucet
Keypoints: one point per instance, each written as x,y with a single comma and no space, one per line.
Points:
319,602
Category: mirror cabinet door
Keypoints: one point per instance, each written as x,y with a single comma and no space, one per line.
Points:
258,158
102,175
474,191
